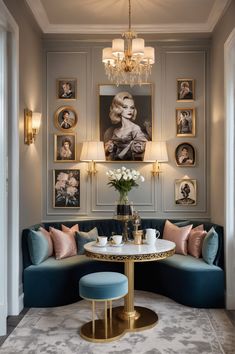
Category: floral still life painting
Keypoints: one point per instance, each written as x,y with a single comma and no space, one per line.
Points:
66,186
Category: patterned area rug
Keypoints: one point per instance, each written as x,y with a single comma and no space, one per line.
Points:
180,330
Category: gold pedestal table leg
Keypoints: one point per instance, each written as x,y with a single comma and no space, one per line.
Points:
133,318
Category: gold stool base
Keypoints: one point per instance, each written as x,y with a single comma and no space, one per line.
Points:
114,331
144,319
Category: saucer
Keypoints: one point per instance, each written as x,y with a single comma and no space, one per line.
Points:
98,245
120,245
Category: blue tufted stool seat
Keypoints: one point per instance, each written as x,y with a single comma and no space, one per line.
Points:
102,286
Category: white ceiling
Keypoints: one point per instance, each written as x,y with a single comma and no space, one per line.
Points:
111,16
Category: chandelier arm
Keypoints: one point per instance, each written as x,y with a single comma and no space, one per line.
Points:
129,15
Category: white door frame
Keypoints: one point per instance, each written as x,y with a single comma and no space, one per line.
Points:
10,303
229,85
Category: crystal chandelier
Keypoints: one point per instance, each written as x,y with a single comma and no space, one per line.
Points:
128,61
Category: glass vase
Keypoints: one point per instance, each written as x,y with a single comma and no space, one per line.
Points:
124,207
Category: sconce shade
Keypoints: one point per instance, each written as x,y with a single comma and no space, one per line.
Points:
36,120
92,151
155,151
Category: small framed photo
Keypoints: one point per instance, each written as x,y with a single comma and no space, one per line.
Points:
185,155
65,118
66,189
64,147
185,122
66,89
186,191
185,90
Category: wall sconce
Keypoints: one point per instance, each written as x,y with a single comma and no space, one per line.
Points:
156,152
32,122
92,151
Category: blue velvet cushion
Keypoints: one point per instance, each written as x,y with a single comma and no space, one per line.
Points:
210,246
39,249
83,237
103,285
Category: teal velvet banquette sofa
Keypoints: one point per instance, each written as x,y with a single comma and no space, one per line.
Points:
183,278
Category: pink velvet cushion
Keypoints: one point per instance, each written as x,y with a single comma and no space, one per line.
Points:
49,240
74,228
195,241
179,235
64,243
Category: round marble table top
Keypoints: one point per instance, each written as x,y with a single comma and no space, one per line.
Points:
130,251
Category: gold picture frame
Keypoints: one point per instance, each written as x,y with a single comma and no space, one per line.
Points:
65,118
66,188
185,90
66,89
65,147
185,122
186,191
185,155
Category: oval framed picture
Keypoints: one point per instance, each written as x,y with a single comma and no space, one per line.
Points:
185,155
65,118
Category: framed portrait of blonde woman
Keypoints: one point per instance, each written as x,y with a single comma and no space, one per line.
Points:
185,90
125,120
64,147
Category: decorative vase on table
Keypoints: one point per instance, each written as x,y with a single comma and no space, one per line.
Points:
124,207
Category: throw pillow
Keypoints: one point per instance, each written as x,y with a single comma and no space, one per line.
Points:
83,237
74,228
64,243
210,246
176,234
195,240
39,248
48,237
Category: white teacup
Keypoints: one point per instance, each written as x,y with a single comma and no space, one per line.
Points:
116,239
151,236
102,240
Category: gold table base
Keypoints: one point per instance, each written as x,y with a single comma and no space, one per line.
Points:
144,319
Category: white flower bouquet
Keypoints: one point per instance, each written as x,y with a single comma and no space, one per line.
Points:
123,180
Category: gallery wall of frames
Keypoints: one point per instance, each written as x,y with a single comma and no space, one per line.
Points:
172,107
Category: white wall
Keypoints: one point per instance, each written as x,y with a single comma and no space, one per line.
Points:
30,169
217,145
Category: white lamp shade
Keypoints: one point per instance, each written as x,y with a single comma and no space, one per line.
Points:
36,120
138,46
93,151
155,151
118,47
107,56
149,55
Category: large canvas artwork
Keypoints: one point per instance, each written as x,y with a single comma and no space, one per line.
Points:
125,118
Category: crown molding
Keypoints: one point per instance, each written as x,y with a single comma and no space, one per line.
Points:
41,17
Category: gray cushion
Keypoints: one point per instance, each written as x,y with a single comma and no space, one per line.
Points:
38,247
83,237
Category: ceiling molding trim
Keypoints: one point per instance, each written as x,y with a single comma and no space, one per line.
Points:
216,12
117,29
40,14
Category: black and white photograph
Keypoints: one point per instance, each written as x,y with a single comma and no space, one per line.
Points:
65,118
64,147
185,90
186,191
66,89
66,188
125,121
185,155
185,122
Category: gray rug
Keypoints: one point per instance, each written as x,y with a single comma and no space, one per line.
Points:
180,330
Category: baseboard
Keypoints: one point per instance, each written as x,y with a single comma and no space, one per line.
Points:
17,307
230,302
3,320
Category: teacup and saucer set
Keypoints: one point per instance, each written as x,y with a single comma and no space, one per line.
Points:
114,241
